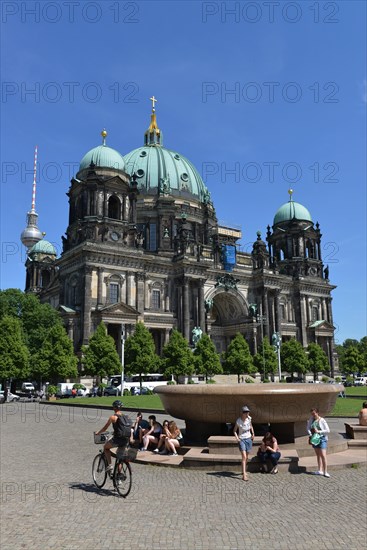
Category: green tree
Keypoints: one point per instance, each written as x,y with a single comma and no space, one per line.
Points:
362,347
177,357
317,359
56,360
267,355
238,359
36,319
352,361
207,360
14,362
140,355
100,358
293,357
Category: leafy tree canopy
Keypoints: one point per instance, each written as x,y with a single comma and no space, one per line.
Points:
207,360
55,360
177,357
317,359
293,357
140,355
238,359
100,357
14,353
267,355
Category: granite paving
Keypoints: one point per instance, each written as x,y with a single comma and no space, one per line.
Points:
49,501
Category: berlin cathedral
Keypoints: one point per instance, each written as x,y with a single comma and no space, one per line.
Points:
143,243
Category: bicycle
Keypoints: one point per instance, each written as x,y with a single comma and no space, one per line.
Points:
121,474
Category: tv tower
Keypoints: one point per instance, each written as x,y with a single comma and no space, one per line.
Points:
31,234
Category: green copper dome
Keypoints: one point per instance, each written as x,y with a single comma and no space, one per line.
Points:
102,157
291,210
43,247
160,170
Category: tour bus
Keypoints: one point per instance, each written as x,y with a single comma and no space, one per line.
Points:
149,381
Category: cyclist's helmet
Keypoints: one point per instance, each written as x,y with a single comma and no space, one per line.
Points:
117,404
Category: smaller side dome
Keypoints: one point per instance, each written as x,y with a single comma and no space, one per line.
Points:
291,211
103,157
43,247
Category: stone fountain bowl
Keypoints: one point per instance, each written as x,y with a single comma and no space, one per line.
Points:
268,403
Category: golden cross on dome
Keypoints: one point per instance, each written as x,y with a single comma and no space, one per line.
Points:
153,100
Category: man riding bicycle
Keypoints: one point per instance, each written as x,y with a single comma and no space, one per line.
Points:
118,439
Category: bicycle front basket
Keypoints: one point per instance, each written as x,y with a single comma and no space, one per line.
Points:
101,438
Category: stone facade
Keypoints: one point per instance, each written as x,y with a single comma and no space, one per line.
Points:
153,251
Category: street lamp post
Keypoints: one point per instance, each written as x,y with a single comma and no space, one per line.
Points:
276,341
122,358
262,319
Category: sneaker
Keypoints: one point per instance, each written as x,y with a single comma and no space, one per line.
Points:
142,450
274,470
163,452
109,468
156,451
174,454
318,473
326,474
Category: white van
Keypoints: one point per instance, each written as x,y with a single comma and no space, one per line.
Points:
28,386
360,381
64,389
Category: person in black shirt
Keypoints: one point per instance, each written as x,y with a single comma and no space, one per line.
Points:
118,440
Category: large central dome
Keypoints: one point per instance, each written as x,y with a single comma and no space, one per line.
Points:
161,171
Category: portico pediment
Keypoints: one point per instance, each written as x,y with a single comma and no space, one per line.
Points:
321,326
120,308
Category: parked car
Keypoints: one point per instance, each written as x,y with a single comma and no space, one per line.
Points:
11,397
28,387
111,390
360,381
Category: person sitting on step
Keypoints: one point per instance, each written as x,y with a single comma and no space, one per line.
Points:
269,450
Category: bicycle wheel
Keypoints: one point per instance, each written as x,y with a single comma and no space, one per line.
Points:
99,470
122,479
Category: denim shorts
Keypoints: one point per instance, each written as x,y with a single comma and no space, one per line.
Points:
322,444
245,444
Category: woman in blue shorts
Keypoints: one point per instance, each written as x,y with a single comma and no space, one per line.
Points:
318,425
244,433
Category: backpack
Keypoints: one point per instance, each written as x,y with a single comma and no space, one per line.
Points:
123,426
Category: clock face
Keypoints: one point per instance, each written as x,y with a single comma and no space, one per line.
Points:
114,236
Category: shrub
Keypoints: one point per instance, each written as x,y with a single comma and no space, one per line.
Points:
249,381
51,390
171,383
211,381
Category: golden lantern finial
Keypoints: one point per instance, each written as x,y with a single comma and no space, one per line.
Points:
290,193
104,135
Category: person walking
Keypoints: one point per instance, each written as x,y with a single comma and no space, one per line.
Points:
318,429
244,434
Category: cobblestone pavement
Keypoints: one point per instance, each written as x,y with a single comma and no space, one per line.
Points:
48,500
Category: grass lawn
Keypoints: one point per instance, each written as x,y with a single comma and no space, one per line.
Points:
347,407
135,401
357,390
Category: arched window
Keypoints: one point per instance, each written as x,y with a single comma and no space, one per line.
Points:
114,206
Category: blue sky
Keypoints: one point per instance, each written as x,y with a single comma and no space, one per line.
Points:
259,97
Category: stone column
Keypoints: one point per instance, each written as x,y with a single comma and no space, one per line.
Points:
99,287
87,304
201,306
303,319
278,324
167,288
130,294
140,284
70,329
265,311
186,308
166,335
